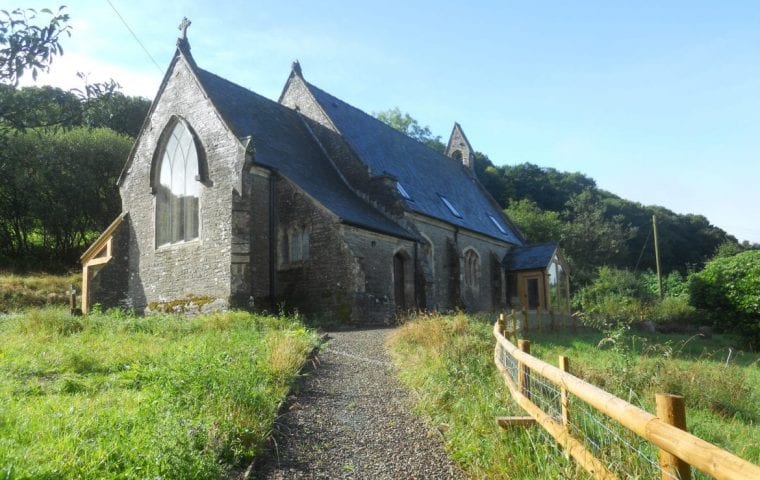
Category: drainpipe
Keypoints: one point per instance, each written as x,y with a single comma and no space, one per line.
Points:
272,242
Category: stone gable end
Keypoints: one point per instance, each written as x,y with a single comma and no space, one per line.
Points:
199,267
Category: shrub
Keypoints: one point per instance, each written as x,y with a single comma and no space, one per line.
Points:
728,288
614,299
674,310
673,285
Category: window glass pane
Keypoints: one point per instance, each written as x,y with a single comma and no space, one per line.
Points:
305,245
177,192
451,208
402,191
498,225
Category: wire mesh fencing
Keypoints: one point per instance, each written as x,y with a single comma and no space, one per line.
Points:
624,453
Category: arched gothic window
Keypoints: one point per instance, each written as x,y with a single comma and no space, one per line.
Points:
177,187
471,269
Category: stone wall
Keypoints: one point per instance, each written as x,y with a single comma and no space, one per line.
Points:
446,288
201,266
260,254
108,286
322,284
373,274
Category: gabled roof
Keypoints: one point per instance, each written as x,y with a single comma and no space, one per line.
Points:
425,174
531,257
282,142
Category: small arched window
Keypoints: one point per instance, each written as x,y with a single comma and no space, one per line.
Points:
471,269
177,187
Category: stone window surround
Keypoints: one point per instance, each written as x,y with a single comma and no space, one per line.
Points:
155,173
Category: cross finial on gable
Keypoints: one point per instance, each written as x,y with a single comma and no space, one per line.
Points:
296,67
183,27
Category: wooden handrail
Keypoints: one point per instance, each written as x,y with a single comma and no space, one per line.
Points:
693,450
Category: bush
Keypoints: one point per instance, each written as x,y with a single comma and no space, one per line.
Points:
728,288
673,285
613,299
674,310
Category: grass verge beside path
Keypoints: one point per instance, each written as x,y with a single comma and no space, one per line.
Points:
448,362
115,396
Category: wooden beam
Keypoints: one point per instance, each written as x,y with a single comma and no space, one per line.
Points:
693,450
576,449
508,422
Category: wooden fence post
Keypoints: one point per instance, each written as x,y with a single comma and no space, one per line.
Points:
523,372
72,300
671,409
502,325
514,326
526,325
564,365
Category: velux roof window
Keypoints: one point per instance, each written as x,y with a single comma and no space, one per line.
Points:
451,207
498,225
402,191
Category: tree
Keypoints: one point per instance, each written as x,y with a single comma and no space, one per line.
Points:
538,226
592,240
406,124
59,191
26,46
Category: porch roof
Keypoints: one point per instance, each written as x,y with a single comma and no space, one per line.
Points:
530,257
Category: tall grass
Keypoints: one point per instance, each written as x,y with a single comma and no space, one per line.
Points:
118,396
22,291
448,362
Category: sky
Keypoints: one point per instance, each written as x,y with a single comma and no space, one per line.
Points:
658,101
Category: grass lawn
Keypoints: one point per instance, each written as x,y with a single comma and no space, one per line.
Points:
116,396
448,362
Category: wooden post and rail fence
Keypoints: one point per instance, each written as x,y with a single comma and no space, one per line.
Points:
666,431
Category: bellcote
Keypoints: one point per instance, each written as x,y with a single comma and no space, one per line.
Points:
459,147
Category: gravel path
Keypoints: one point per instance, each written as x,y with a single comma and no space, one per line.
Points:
352,420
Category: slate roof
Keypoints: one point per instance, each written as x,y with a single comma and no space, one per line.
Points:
423,172
282,142
532,257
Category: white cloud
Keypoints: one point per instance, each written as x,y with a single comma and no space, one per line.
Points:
63,74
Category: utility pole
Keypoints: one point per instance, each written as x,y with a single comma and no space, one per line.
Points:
657,256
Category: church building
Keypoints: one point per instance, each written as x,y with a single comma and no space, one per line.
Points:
233,200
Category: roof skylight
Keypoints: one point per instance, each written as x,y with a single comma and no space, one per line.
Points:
451,208
498,225
402,191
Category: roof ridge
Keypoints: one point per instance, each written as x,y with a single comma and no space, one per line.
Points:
380,122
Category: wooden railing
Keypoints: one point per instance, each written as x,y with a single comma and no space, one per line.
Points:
678,448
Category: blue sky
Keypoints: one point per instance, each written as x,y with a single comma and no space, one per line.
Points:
659,102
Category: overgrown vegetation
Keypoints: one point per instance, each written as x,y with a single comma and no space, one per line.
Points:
729,290
118,396
448,362
22,291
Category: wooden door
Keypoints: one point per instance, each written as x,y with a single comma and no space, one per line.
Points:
532,294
